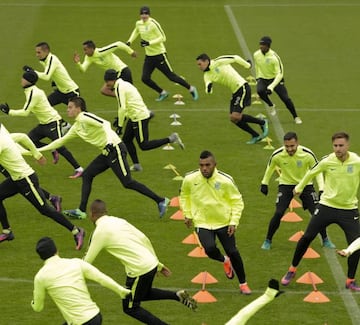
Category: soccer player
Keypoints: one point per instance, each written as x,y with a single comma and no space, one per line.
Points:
338,204
64,279
64,87
353,247
132,107
219,70
211,201
252,308
135,251
270,77
24,180
97,131
293,161
50,122
153,39
105,58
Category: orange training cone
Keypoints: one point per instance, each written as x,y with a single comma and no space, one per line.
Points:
191,239
198,252
296,237
310,253
204,296
204,277
309,278
178,215
316,297
291,217
174,202
295,204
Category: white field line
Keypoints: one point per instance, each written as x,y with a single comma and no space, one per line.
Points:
350,303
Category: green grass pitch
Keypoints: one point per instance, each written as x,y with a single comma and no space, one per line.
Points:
318,44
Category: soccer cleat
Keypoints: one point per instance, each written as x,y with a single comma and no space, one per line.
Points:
297,120
266,245
175,138
163,95
186,299
75,214
288,277
254,140
163,205
265,129
328,243
244,289
79,238
351,284
272,110
194,93
56,156
78,173
8,236
136,168
229,272
56,202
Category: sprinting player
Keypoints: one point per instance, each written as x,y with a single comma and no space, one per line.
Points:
64,280
338,204
220,71
50,122
64,87
105,58
211,201
97,131
134,250
270,77
132,109
292,160
23,180
152,40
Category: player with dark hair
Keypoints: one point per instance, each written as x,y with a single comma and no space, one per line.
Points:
23,180
152,40
211,201
292,161
64,87
51,125
220,71
135,251
132,109
97,131
105,58
338,204
270,77
64,280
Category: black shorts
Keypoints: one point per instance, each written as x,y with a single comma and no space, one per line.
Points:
309,197
240,99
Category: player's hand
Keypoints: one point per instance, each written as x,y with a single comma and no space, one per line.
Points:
5,108
118,130
342,253
264,189
26,68
165,271
76,57
268,91
231,230
41,161
209,88
188,222
249,61
128,43
144,43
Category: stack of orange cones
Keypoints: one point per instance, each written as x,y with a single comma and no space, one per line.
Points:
203,296
315,296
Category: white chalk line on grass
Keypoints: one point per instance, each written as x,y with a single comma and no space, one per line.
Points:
350,303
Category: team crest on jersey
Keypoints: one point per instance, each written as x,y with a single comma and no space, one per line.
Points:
350,169
299,163
217,70
217,186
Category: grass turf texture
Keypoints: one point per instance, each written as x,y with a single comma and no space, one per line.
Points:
316,44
